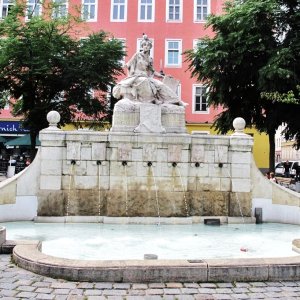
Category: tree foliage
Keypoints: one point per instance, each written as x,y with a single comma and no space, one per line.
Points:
254,53
44,67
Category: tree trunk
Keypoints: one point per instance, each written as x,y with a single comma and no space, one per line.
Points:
33,136
272,151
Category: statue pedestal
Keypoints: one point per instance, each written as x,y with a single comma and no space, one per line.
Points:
150,119
130,116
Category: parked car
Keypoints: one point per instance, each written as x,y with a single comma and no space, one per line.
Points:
279,169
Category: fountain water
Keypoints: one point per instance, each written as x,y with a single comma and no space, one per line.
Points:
150,165
71,183
99,188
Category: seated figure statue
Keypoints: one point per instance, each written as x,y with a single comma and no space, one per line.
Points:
140,85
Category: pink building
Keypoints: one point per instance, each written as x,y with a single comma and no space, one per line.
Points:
173,25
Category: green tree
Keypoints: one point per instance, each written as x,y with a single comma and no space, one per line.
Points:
44,67
248,57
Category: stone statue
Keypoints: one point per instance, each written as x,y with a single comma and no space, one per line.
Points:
141,86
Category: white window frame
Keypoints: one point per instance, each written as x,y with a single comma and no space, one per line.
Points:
6,5
202,20
179,64
168,11
139,48
112,11
89,19
194,111
57,8
37,4
152,12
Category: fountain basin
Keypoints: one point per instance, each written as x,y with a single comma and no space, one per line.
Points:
30,258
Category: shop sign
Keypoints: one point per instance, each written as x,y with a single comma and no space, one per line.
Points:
12,127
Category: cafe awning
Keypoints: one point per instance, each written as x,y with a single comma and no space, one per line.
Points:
22,141
3,140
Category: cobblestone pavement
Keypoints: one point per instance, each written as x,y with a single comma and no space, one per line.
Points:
16,283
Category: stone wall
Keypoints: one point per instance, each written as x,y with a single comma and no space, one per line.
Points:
144,174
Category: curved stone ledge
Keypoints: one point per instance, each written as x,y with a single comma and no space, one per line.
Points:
31,258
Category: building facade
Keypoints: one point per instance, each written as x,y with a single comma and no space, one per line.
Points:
174,26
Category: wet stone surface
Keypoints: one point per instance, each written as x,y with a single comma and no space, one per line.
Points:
16,283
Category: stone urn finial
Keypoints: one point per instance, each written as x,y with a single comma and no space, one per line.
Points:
239,125
53,117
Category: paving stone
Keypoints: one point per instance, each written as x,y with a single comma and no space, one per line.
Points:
115,298
204,297
114,292
257,290
94,298
221,296
61,297
44,296
273,289
25,288
223,291
7,286
85,285
137,292
135,298
156,285
184,297
10,298
43,290
258,284
103,285
41,284
26,295
272,283
206,291
61,291
77,292
242,284
155,292
121,286
189,291
139,286
240,296
225,285
92,292
256,296
76,297
8,293
208,285
290,283
63,285
171,291
174,285
240,290
191,285
152,297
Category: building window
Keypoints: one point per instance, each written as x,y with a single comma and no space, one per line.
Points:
89,10
201,10
139,47
173,53
200,99
34,9
60,9
174,10
118,11
6,6
146,10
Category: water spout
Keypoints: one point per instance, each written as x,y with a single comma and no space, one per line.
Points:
124,164
174,164
156,190
99,188
71,178
197,165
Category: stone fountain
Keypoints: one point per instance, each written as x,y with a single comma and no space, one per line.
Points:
146,165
